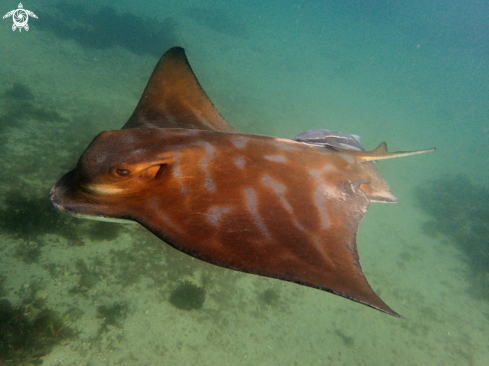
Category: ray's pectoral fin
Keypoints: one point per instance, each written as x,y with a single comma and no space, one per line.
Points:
173,98
349,281
332,262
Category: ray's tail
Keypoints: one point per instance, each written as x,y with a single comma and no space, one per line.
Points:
381,153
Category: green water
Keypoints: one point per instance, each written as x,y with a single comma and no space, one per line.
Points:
411,74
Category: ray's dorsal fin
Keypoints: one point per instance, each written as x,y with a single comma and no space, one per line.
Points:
381,153
173,98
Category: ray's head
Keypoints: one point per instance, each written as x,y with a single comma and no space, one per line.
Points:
120,162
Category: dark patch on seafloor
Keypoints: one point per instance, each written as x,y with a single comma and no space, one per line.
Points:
460,210
18,105
25,211
347,340
105,28
188,296
112,315
3,292
22,112
27,215
219,21
89,275
24,338
35,122
269,296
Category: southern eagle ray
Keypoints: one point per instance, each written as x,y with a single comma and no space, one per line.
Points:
286,209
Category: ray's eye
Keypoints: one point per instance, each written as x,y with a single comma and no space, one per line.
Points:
122,172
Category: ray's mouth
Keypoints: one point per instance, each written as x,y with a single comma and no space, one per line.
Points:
65,196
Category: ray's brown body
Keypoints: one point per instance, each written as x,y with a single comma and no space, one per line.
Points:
258,204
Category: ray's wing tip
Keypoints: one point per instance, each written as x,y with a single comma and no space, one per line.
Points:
377,304
175,50
387,310
372,300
